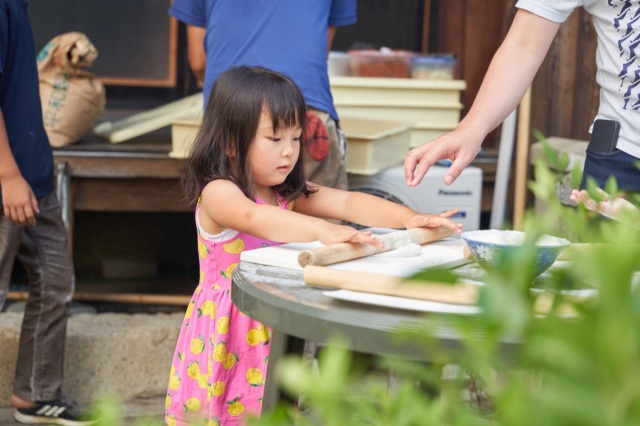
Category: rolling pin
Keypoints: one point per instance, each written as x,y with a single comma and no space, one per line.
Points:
342,252
367,282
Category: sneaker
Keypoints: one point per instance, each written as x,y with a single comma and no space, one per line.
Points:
57,412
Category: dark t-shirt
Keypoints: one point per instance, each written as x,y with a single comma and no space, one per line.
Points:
20,98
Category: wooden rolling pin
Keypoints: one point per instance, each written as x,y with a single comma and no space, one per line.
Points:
367,282
342,252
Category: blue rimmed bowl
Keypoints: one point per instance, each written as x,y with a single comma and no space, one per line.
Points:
489,247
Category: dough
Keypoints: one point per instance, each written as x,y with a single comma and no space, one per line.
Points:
409,250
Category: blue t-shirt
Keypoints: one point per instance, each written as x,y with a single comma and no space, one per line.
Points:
288,36
20,98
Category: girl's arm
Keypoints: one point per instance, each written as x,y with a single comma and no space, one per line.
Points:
223,206
369,210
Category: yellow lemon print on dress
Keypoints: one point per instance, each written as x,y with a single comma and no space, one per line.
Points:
234,247
253,337
227,273
235,407
190,309
174,382
223,325
171,421
218,388
230,360
254,377
203,251
208,307
192,404
193,370
202,381
263,333
201,276
167,402
197,345
214,421
220,351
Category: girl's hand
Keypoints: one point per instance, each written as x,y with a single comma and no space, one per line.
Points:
434,221
333,234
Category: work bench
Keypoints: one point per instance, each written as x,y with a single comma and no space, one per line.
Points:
115,178
135,176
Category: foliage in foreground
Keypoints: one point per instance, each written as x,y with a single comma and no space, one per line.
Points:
577,364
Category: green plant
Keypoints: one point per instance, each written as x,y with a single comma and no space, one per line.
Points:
564,370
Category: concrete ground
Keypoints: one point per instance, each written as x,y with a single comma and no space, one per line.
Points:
140,412
123,354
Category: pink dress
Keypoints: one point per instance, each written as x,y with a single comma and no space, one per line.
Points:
220,362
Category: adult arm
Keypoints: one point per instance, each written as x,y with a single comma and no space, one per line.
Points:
18,201
195,51
331,33
510,73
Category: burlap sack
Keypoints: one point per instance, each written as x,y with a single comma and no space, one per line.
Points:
72,99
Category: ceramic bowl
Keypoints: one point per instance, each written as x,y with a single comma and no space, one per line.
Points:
488,247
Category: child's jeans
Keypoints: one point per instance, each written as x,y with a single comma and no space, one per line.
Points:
43,251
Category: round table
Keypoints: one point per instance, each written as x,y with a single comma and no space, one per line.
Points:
279,298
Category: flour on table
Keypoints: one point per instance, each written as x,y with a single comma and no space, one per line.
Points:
409,250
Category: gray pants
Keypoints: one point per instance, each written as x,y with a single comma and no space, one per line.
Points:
43,251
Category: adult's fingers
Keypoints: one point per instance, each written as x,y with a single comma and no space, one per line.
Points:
418,162
455,169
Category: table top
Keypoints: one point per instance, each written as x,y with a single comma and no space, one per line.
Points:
279,298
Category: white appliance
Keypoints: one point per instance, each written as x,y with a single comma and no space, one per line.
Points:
432,195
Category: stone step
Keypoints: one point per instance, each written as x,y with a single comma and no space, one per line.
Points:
121,355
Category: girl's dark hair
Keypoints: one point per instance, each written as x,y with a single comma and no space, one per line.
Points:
229,125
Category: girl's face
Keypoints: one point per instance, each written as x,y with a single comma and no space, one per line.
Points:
272,155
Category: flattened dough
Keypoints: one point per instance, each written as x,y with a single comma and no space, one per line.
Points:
409,250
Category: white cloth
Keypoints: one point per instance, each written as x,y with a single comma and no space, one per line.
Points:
617,25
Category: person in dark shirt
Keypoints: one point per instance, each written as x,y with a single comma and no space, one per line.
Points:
32,229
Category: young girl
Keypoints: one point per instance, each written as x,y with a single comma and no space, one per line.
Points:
246,181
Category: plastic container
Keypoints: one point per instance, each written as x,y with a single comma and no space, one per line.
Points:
433,106
339,64
183,134
433,67
380,63
374,145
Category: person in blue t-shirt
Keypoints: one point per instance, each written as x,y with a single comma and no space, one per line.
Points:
288,36
31,228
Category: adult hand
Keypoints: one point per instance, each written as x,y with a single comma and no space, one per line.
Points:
18,201
435,221
460,146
